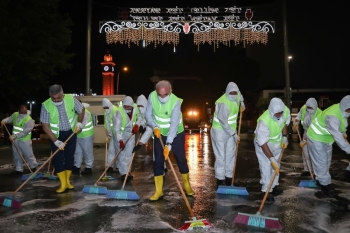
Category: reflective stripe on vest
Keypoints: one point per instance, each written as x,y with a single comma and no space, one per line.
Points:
88,129
162,113
18,127
111,114
273,125
69,105
135,113
318,130
303,112
233,112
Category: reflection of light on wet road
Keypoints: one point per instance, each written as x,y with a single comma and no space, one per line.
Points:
205,145
192,144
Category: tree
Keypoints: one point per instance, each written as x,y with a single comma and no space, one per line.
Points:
33,41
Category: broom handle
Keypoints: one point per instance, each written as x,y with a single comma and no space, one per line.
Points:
306,160
235,159
270,185
178,182
106,152
37,170
20,154
48,167
111,163
130,162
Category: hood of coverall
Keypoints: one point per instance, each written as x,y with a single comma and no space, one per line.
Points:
231,86
276,105
345,104
311,102
141,100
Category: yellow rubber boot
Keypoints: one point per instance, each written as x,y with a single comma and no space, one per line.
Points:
187,186
69,185
62,177
158,180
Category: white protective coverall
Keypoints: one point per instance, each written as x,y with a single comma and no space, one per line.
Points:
311,102
124,158
25,147
321,153
223,142
262,136
112,142
84,148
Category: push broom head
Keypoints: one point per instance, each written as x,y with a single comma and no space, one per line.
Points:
10,202
258,220
232,190
94,189
196,225
123,195
308,184
35,177
107,178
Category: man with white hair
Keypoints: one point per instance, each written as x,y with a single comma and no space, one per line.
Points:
124,122
163,115
59,121
23,125
306,114
109,112
326,128
270,138
85,142
223,132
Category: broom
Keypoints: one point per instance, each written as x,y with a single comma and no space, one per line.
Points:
307,183
106,177
25,176
194,223
95,189
123,194
232,189
258,220
10,201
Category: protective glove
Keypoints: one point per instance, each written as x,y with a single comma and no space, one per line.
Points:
136,148
108,139
236,138
142,129
78,127
135,129
121,144
242,108
345,135
13,137
60,144
3,122
275,165
284,142
156,132
166,151
303,143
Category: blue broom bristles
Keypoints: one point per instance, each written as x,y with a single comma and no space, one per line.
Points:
94,189
258,220
308,183
232,190
10,202
123,195
36,176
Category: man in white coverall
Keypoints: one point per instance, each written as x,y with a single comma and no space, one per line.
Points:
326,128
144,128
124,122
23,125
85,143
270,138
306,114
109,112
224,134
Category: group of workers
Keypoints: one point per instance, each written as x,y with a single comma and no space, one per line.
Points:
69,126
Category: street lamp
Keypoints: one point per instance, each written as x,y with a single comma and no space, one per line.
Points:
30,105
124,69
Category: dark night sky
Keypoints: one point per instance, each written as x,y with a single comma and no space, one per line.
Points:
316,42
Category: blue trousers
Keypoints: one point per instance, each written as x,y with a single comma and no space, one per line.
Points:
64,159
177,147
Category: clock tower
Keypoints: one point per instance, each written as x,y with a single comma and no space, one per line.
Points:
107,75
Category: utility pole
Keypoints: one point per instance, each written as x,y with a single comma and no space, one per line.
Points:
88,48
286,55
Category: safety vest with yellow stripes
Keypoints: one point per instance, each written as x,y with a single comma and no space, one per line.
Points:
135,114
88,129
111,114
233,112
303,113
19,126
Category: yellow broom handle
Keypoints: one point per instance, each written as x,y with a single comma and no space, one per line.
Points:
235,160
37,170
111,163
178,182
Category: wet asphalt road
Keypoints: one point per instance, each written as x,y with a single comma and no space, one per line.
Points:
298,209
